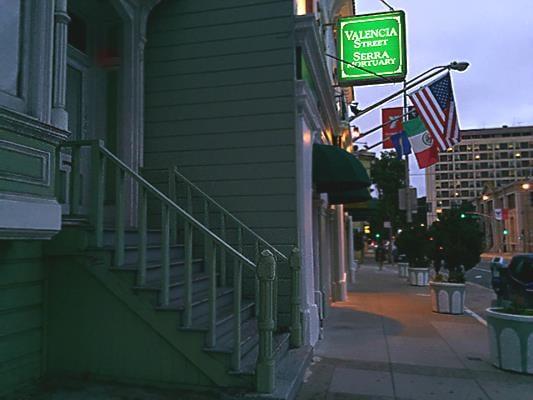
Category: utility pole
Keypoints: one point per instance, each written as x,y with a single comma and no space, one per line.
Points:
409,216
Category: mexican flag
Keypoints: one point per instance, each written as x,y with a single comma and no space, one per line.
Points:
422,143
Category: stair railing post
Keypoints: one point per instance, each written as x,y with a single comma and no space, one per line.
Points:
206,224
165,255
237,303
98,189
188,236
223,236
296,322
212,293
172,193
266,273
143,240
120,221
257,250
75,181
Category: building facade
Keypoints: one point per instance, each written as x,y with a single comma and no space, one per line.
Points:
485,159
507,216
104,107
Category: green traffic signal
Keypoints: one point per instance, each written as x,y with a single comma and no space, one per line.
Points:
463,215
378,235
505,232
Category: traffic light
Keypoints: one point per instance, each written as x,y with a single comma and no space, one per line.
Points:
378,235
505,232
366,229
463,215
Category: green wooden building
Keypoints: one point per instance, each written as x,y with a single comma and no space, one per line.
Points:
159,224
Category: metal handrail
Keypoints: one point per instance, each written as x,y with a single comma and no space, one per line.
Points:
241,224
148,186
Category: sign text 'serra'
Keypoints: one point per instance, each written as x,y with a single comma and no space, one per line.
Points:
373,42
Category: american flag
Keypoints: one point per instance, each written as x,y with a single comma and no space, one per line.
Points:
436,107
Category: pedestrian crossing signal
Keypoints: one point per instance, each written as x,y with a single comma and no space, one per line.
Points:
366,229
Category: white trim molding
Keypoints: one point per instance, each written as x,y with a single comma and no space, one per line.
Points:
309,39
26,218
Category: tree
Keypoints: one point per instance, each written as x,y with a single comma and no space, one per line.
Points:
414,243
461,241
388,174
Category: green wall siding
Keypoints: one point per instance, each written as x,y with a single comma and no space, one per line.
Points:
220,105
21,314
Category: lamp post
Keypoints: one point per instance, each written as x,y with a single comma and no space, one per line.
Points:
459,66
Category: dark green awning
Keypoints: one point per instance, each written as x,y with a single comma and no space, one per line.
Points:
362,211
349,196
336,170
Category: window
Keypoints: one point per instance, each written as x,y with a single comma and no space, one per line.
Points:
511,201
12,51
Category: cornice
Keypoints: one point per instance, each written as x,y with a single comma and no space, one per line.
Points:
25,125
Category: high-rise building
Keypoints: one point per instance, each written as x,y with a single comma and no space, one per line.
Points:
485,159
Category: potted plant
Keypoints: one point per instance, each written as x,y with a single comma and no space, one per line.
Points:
413,242
457,240
511,327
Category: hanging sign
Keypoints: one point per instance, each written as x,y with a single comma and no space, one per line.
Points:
374,42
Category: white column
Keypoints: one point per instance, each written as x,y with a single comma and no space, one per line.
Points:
61,21
325,255
339,292
349,245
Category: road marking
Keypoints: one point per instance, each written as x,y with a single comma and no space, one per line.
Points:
481,269
475,316
423,294
478,276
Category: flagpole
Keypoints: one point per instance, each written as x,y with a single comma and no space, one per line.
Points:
409,216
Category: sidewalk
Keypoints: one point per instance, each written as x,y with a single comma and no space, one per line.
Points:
385,343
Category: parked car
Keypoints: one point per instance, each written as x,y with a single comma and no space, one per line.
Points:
498,268
518,280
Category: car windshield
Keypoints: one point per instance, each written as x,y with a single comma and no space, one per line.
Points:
522,269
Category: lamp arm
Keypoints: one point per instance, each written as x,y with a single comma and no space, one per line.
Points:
410,85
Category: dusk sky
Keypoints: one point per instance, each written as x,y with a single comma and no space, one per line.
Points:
495,37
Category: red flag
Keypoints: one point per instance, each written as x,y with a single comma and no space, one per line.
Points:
393,114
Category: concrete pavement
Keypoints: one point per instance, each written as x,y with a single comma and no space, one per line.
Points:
385,343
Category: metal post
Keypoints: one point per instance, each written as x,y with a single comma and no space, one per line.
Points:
409,216
266,273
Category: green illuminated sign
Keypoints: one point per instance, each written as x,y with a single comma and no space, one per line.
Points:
375,43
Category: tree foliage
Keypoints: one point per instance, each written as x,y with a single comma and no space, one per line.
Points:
459,239
414,243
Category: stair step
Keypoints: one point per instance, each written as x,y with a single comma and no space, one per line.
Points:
131,237
280,346
153,253
200,282
153,271
200,303
249,339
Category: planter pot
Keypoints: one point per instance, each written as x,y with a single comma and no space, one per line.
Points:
418,276
402,270
511,341
447,298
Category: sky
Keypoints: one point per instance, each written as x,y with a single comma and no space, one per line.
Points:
495,37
